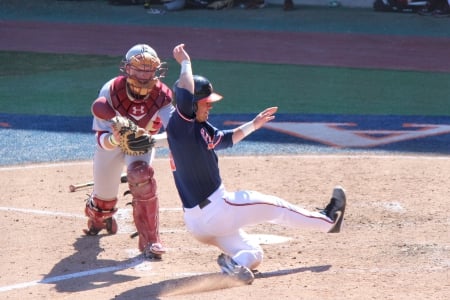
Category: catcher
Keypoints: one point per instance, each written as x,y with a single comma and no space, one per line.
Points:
128,114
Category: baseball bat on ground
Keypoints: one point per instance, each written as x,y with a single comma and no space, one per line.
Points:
75,187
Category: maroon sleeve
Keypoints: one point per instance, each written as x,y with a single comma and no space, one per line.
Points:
102,110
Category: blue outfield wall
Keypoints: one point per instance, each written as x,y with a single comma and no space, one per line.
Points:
36,139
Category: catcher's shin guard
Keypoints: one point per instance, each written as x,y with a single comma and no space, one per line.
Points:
100,214
145,208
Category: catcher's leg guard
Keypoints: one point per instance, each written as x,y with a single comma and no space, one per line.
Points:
145,208
100,213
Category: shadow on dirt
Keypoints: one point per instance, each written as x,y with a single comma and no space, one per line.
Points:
202,283
89,271
83,271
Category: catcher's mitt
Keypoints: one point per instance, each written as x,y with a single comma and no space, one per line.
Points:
133,139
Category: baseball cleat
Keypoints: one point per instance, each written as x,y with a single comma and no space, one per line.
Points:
336,208
95,226
230,267
154,251
111,225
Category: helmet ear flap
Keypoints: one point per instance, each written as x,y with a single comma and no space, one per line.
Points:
195,106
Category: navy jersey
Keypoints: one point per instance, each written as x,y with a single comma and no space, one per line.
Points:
192,144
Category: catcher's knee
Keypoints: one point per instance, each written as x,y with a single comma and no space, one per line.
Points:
141,183
100,214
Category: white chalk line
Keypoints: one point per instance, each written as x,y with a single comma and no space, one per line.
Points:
41,212
123,217
70,276
122,214
70,215
134,263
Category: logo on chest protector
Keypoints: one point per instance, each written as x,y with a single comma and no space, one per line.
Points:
137,111
209,140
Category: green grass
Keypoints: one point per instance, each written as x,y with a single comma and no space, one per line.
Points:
58,84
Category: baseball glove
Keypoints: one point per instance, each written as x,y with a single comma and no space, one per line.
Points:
133,139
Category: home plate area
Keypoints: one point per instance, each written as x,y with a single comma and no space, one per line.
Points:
394,243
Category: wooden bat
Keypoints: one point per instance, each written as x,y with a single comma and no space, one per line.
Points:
75,187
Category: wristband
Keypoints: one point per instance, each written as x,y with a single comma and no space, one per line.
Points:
186,67
112,140
247,128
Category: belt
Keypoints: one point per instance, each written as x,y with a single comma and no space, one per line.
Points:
204,203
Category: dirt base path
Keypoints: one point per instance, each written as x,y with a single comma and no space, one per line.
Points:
395,244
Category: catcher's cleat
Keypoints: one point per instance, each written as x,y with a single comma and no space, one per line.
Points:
154,251
111,225
336,208
94,227
91,231
230,267
100,215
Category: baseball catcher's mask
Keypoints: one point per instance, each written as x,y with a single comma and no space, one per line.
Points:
143,69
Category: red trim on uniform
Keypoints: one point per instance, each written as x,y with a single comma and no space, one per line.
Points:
183,117
213,145
265,203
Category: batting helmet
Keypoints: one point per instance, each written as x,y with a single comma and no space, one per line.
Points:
203,90
143,68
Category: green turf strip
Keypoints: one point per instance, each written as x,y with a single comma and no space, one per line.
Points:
58,84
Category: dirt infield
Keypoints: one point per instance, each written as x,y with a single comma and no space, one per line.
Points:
395,244
396,239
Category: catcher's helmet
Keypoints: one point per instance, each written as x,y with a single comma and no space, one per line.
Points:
203,90
142,59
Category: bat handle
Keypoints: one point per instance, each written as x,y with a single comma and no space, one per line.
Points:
74,187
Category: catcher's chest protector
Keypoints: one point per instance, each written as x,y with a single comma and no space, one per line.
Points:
140,112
